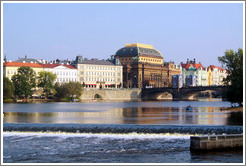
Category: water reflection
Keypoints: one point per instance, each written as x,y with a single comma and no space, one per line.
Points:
132,115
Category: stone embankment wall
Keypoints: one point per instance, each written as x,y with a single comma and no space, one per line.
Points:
204,143
114,94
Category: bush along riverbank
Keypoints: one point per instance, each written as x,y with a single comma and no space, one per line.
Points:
41,100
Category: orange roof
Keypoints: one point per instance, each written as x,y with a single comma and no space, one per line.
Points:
20,64
49,65
197,65
70,66
213,67
55,65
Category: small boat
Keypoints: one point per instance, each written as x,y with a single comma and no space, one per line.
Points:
189,108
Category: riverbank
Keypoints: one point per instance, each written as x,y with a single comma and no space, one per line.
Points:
233,109
40,100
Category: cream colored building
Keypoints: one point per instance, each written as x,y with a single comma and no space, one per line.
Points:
218,74
98,74
11,68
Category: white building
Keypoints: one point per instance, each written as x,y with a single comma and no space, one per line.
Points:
218,74
97,74
222,74
64,73
196,69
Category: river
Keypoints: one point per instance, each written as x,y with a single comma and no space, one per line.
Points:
115,132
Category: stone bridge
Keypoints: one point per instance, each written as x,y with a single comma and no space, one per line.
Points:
185,93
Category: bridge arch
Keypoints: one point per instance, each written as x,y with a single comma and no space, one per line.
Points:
190,95
185,93
158,95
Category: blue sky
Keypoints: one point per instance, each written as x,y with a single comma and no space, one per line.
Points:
178,30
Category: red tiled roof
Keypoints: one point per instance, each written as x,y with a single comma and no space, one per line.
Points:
55,65
213,67
20,64
197,65
49,65
70,66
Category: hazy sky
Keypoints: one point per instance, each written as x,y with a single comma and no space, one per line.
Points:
179,30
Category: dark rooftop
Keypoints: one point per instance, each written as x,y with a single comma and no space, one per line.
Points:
135,51
96,62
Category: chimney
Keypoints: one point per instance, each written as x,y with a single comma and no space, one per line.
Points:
194,60
188,61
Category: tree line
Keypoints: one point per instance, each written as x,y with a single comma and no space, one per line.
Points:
23,84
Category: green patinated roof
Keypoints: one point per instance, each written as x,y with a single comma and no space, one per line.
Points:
135,51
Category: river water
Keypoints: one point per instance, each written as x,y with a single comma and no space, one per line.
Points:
115,132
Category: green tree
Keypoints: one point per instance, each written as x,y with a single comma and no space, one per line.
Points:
233,62
46,81
68,90
60,90
8,88
24,81
74,89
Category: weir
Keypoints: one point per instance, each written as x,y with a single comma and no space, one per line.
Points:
123,128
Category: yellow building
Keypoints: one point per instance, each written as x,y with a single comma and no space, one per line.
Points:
11,68
209,76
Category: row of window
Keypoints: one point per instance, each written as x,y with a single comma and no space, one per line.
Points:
15,72
99,68
54,72
66,80
101,79
153,60
88,73
61,79
143,59
11,71
70,73
94,86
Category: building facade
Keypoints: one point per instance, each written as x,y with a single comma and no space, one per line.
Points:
142,66
172,70
196,69
209,77
222,75
11,68
218,74
64,73
98,74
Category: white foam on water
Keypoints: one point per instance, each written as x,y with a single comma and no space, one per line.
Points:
64,135
6,157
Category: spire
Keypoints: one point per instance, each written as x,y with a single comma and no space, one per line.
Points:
5,58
